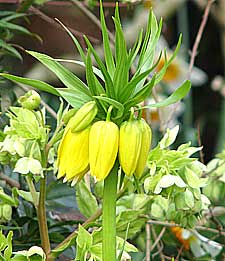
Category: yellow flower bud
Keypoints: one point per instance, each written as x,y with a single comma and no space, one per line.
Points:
84,116
146,136
103,148
129,146
73,153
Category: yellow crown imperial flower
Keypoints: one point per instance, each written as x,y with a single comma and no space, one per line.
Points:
73,152
129,146
103,147
146,136
84,116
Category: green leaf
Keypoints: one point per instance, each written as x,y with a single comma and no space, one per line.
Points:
192,179
31,82
79,48
93,83
13,16
133,53
176,96
75,98
11,26
169,137
108,80
141,94
113,102
162,72
86,201
121,77
10,49
146,39
70,80
189,198
106,43
95,70
120,43
8,250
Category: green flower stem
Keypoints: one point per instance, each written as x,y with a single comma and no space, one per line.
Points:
86,224
109,215
42,221
33,191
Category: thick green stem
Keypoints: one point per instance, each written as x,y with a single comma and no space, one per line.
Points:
109,215
42,220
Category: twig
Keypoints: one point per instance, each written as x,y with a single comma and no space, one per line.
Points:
148,242
92,17
158,238
201,154
179,253
160,248
9,181
55,24
199,36
167,224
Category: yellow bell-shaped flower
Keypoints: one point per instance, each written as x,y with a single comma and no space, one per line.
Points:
146,136
103,148
73,152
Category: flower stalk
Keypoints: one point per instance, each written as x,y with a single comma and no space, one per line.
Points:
109,215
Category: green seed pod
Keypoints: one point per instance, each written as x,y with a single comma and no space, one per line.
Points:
68,115
84,116
129,146
146,137
31,100
103,148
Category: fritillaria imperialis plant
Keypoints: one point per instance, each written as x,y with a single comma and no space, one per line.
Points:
106,135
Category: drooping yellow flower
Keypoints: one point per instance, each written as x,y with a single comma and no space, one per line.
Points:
73,153
146,136
103,148
129,146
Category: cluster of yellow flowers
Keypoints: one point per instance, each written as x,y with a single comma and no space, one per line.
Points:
86,145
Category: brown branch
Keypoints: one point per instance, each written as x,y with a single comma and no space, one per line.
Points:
55,24
158,238
92,17
160,248
11,182
167,224
201,154
179,253
199,36
148,242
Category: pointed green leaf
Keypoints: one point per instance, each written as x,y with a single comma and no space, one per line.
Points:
162,72
179,94
31,82
11,26
86,201
13,16
79,48
120,43
141,94
70,80
107,50
115,103
108,80
10,49
95,70
133,53
74,97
